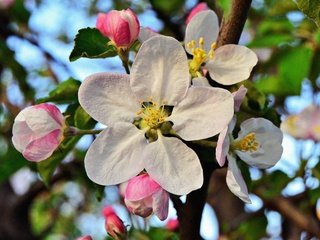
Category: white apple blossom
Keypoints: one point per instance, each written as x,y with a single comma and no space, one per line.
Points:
142,108
228,64
258,144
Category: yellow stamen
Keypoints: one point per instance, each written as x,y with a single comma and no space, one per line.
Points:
152,116
199,56
248,143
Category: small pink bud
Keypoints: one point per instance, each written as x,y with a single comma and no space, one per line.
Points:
38,131
87,237
114,225
172,225
144,196
200,7
121,27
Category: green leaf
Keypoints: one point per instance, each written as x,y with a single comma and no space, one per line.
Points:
10,162
254,228
90,43
270,40
18,12
293,67
82,119
168,6
65,92
47,167
311,8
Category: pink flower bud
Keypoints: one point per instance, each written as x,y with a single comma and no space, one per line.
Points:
121,27
114,225
87,237
200,7
172,225
38,131
144,196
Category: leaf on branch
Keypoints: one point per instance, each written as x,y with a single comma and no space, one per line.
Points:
65,92
311,8
82,119
90,43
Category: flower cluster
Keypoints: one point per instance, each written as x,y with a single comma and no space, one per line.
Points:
154,115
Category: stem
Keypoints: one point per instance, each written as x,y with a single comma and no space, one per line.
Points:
73,131
126,66
205,143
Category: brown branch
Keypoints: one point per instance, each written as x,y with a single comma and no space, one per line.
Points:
232,26
291,212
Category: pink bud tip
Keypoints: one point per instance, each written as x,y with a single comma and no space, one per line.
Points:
200,7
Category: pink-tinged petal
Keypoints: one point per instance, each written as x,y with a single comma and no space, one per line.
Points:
39,121
269,138
22,135
222,148
133,22
203,25
231,64
42,148
108,98
160,71
100,23
146,33
107,211
173,165
200,7
142,208
161,204
235,180
118,149
115,226
140,187
53,111
238,97
200,82
87,237
203,113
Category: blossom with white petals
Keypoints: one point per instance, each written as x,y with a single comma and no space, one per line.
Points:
304,125
144,196
38,131
228,64
258,144
141,109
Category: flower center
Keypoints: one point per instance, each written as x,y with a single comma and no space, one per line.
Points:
199,56
152,115
248,143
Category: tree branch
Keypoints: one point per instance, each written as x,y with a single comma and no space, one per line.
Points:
232,26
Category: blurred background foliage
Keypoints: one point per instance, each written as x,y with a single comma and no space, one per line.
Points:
55,200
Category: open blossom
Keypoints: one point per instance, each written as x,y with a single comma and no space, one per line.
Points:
141,109
226,65
304,125
121,27
200,7
258,144
38,131
144,196
113,224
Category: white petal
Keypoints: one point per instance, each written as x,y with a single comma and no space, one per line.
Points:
146,33
231,64
204,24
160,71
203,113
115,156
39,121
200,82
108,98
22,135
235,180
222,148
238,97
173,165
269,138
